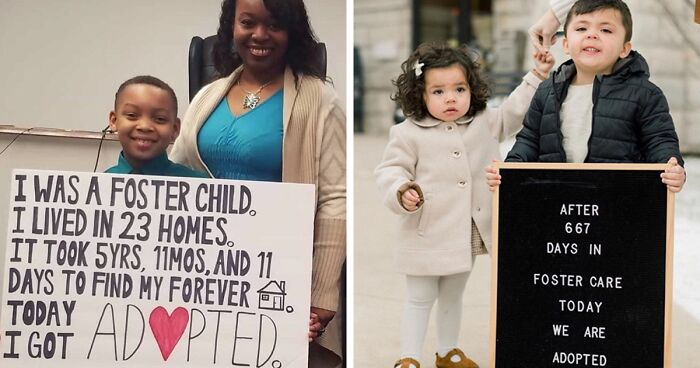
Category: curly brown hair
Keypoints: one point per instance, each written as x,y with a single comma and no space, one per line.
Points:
410,88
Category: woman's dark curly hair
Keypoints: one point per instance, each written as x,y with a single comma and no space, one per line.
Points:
291,16
409,88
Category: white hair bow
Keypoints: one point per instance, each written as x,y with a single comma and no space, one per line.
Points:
418,67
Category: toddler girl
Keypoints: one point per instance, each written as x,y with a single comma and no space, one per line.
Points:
432,175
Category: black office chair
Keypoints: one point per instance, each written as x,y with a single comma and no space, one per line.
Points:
201,62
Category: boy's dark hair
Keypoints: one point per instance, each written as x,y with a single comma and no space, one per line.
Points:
410,88
589,6
291,16
151,81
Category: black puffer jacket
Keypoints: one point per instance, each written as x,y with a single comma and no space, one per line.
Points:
631,122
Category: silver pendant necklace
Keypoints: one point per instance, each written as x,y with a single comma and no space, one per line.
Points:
251,99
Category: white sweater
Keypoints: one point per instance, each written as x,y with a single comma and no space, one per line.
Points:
561,8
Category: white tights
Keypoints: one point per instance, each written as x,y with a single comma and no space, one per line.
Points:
422,292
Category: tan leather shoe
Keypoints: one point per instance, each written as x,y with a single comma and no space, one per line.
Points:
447,362
406,363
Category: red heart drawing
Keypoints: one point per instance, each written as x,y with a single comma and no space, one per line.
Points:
167,329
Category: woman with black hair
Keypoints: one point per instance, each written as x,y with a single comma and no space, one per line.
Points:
272,117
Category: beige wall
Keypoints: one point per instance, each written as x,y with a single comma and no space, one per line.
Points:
61,61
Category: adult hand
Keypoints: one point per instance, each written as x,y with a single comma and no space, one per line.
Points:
318,320
410,199
542,33
315,327
673,176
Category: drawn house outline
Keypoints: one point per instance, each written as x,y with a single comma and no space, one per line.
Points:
271,296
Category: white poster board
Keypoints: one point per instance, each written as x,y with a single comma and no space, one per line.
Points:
107,270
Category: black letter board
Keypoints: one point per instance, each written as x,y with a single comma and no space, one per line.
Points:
582,266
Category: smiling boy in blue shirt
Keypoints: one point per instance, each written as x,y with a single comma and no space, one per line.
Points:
145,119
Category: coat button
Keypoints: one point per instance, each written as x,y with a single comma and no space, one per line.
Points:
462,183
456,154
478,209
449,128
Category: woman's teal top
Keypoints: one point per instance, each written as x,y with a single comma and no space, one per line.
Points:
245,147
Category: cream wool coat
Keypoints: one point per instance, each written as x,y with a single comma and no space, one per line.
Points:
446,161
313,152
